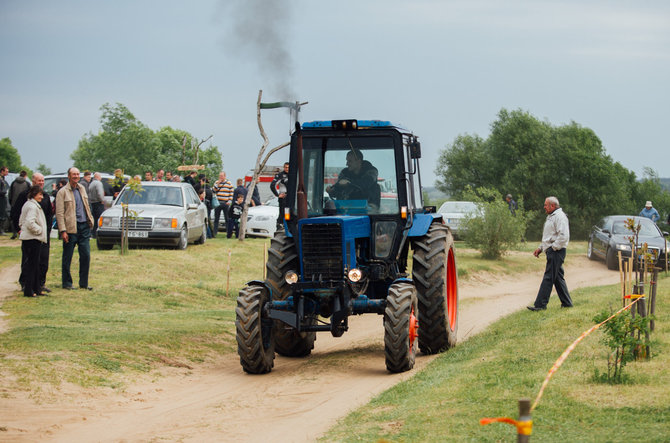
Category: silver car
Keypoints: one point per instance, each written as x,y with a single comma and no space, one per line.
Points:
162,214
454,212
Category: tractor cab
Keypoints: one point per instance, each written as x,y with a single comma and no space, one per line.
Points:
360,186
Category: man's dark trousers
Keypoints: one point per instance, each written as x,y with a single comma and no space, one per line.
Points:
217,216
553,277
96,211
81,240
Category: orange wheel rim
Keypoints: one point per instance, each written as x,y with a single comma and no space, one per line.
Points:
451,289
413,328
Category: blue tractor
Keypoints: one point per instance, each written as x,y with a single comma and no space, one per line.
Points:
352,211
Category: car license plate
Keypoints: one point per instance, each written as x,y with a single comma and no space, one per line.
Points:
138,234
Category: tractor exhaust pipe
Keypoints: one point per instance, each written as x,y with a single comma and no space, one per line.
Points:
301,196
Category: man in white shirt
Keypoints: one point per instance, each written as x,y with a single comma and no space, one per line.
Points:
555,238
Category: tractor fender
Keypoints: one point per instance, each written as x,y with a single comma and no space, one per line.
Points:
261,283
421,223
403,280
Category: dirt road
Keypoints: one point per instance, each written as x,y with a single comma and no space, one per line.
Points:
298,401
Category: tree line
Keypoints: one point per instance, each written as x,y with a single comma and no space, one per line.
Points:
126,143
532,159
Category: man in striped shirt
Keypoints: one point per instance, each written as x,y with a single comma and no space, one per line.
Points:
224,194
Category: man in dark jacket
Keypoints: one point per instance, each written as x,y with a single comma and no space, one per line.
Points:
358,181
47,208
279,186
19,185
240,189
4,204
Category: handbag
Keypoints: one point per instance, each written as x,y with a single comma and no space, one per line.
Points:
215,203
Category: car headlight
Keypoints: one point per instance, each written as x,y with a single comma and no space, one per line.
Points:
109,222
623,247
165,222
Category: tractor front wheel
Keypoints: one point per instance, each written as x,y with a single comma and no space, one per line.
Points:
434,274
254,331
283,257
400,327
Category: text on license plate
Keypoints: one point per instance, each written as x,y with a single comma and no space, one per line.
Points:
138,234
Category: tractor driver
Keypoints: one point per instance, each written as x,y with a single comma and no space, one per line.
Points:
358,181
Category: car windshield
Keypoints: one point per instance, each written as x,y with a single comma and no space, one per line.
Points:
462,207
152,195
350,175
647,228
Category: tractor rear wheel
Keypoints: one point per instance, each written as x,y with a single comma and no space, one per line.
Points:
434,274
282,257
254,332
400,327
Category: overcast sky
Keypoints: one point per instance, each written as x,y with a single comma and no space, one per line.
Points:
438,68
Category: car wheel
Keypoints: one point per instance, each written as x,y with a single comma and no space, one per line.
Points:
203,236
589,250
612,260
183,238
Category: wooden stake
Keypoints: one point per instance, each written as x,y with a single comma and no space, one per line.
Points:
228,277
622,277
524,416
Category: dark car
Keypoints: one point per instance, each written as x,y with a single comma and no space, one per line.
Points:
610,235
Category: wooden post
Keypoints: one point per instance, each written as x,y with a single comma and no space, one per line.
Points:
652,298
265,252
228,277
524,416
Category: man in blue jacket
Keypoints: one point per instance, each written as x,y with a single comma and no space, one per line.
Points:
650,212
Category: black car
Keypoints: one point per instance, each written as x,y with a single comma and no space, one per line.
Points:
610,235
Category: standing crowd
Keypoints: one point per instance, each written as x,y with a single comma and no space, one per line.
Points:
78,202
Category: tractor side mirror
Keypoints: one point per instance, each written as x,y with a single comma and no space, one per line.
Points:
415,149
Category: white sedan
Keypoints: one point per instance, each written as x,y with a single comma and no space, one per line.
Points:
163,213
262,220
455,211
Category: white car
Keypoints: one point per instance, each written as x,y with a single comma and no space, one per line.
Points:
262,220
167,213
454,212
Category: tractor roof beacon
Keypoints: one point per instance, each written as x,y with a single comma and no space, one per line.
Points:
353,209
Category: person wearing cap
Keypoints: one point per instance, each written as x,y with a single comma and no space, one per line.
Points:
512,204
650,212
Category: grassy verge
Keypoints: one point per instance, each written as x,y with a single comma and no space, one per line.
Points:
149,308
485,377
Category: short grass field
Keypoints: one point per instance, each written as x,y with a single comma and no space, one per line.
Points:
488,374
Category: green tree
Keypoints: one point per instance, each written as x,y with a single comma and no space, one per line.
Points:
532,159
126,143
9,156
44,169
494,230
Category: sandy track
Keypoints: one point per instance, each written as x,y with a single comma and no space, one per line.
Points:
299,400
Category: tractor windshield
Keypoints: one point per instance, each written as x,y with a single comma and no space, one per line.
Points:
350,175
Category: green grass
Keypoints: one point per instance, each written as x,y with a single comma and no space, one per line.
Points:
149,305
485,377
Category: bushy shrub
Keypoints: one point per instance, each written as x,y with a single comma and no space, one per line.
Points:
493,230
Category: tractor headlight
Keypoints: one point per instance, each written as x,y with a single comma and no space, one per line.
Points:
291,277
623,247
355,275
